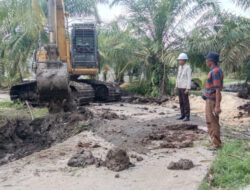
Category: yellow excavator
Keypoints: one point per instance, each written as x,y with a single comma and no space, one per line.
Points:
59,65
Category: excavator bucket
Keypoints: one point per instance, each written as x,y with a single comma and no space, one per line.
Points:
52,81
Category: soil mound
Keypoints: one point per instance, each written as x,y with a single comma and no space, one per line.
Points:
82,159
117,160
21,137
245,108
182,164
144,100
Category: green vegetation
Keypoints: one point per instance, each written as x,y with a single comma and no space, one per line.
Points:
10,104
231,169
143,45
142,88
11,110
40,112
196,93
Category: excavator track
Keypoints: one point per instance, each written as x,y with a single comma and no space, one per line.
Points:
104,92
25,91
83,92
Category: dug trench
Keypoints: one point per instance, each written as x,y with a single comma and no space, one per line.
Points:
22,137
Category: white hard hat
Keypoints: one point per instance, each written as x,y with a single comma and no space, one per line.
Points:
183,56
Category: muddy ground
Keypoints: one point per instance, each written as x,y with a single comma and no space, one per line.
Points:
150,141
21,137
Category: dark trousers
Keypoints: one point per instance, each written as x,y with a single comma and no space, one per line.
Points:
184,102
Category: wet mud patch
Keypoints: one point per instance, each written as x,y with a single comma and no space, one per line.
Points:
22,137
142,137
111,115
144,100
245,108
174,136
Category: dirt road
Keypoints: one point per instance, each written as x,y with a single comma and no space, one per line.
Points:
4,95
48,169
147,131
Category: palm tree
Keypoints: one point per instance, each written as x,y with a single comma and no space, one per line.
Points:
84,8
22,25
229,36
245,4
118,49
20,30
161,25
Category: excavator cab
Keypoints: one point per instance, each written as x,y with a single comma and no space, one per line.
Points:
84,46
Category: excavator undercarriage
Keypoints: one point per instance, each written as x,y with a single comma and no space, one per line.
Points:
81,91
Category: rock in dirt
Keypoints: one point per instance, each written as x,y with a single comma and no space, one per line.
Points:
117,176
82,159
83,145
117,160
96,146
174,107
139,158
182,164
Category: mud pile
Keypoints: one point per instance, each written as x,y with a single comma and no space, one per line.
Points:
245,108
111,116
82,159
144,100
175,136
182,164
21,137
117,160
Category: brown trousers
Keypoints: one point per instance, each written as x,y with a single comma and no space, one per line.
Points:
213,124
184,102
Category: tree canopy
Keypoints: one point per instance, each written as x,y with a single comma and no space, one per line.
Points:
143,45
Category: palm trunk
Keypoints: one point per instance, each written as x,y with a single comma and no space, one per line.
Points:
19,68
163,82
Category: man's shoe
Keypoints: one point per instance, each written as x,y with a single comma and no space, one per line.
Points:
181,118
186,119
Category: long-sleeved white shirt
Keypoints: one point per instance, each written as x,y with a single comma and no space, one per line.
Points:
184,77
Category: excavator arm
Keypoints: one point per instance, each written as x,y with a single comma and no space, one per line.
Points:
53,63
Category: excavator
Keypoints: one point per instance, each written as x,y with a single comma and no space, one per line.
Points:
60,65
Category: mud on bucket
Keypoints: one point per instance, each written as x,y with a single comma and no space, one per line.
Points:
53,80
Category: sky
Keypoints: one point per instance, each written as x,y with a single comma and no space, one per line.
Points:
108,14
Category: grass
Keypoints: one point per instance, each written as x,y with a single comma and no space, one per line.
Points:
40,112
196,93
10,104
231,169
19,110
230,80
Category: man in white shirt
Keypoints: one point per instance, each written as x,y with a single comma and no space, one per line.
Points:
183,85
